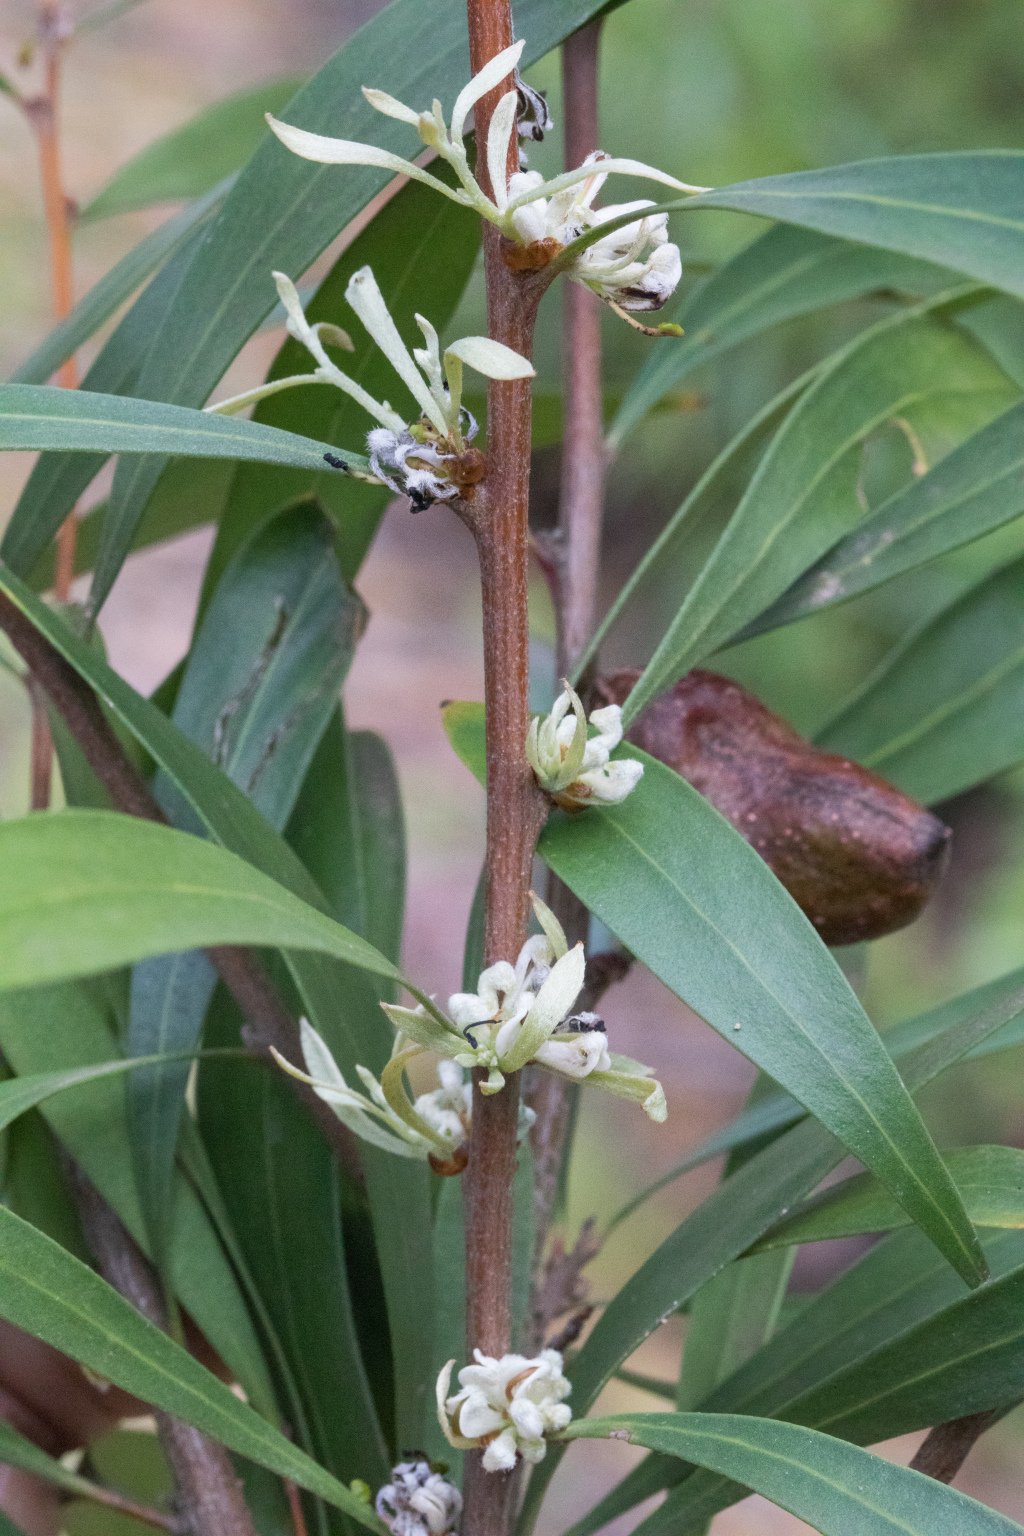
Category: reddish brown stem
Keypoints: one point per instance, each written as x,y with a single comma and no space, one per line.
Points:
946,1447
208,1493
515,809
43,114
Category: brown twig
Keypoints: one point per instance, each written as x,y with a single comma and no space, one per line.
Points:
270,1021
946,1447
43,114
208,1494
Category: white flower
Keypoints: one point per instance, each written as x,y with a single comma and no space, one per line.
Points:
575,771
418,1502
520,1014
506,1406
635,268
449,142
384,1115
425,460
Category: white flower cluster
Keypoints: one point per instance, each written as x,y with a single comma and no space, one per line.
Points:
419,1502
635,268
616,268
575,770
506,1406
435,1126
520,1014
428,460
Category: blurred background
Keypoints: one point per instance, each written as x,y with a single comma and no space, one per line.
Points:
714,91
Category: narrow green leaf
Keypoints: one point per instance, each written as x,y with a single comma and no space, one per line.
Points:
19,1094
41,416
835,1487
280,1184
17,1451
464,726
257,693
53,1296
673,562
772,1180
990,1181
96,308
334,1000
977,488
784,273
688,895
960,210
58,479
86,891
878,1353
944,709
193,158
804,496
70,1026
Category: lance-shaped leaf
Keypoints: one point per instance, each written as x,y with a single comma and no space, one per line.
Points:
707,1240
83,892
943,711
990,1181
784,273
804,494
976,488
58,479
692,899
40,416
891,1346
55,1297
836,1488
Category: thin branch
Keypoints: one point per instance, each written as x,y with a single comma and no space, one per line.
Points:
270,1021
946,1447
515,808
209,1495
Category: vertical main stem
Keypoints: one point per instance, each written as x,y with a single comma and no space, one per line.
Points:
514,807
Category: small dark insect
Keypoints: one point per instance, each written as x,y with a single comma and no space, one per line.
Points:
857,856
581,1024
335,462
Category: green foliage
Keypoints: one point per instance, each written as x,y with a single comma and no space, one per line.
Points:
871,459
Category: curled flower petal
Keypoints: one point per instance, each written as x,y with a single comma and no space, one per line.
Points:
499,137
492,74
328,151
391,106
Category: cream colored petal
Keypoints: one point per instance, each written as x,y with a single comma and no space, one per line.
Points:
328,151
391,106
367,300
552,1003
499,136
491,358
610,166
492,74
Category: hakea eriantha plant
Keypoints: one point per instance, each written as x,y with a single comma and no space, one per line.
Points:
427,460
573,767
635,268
505,1407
